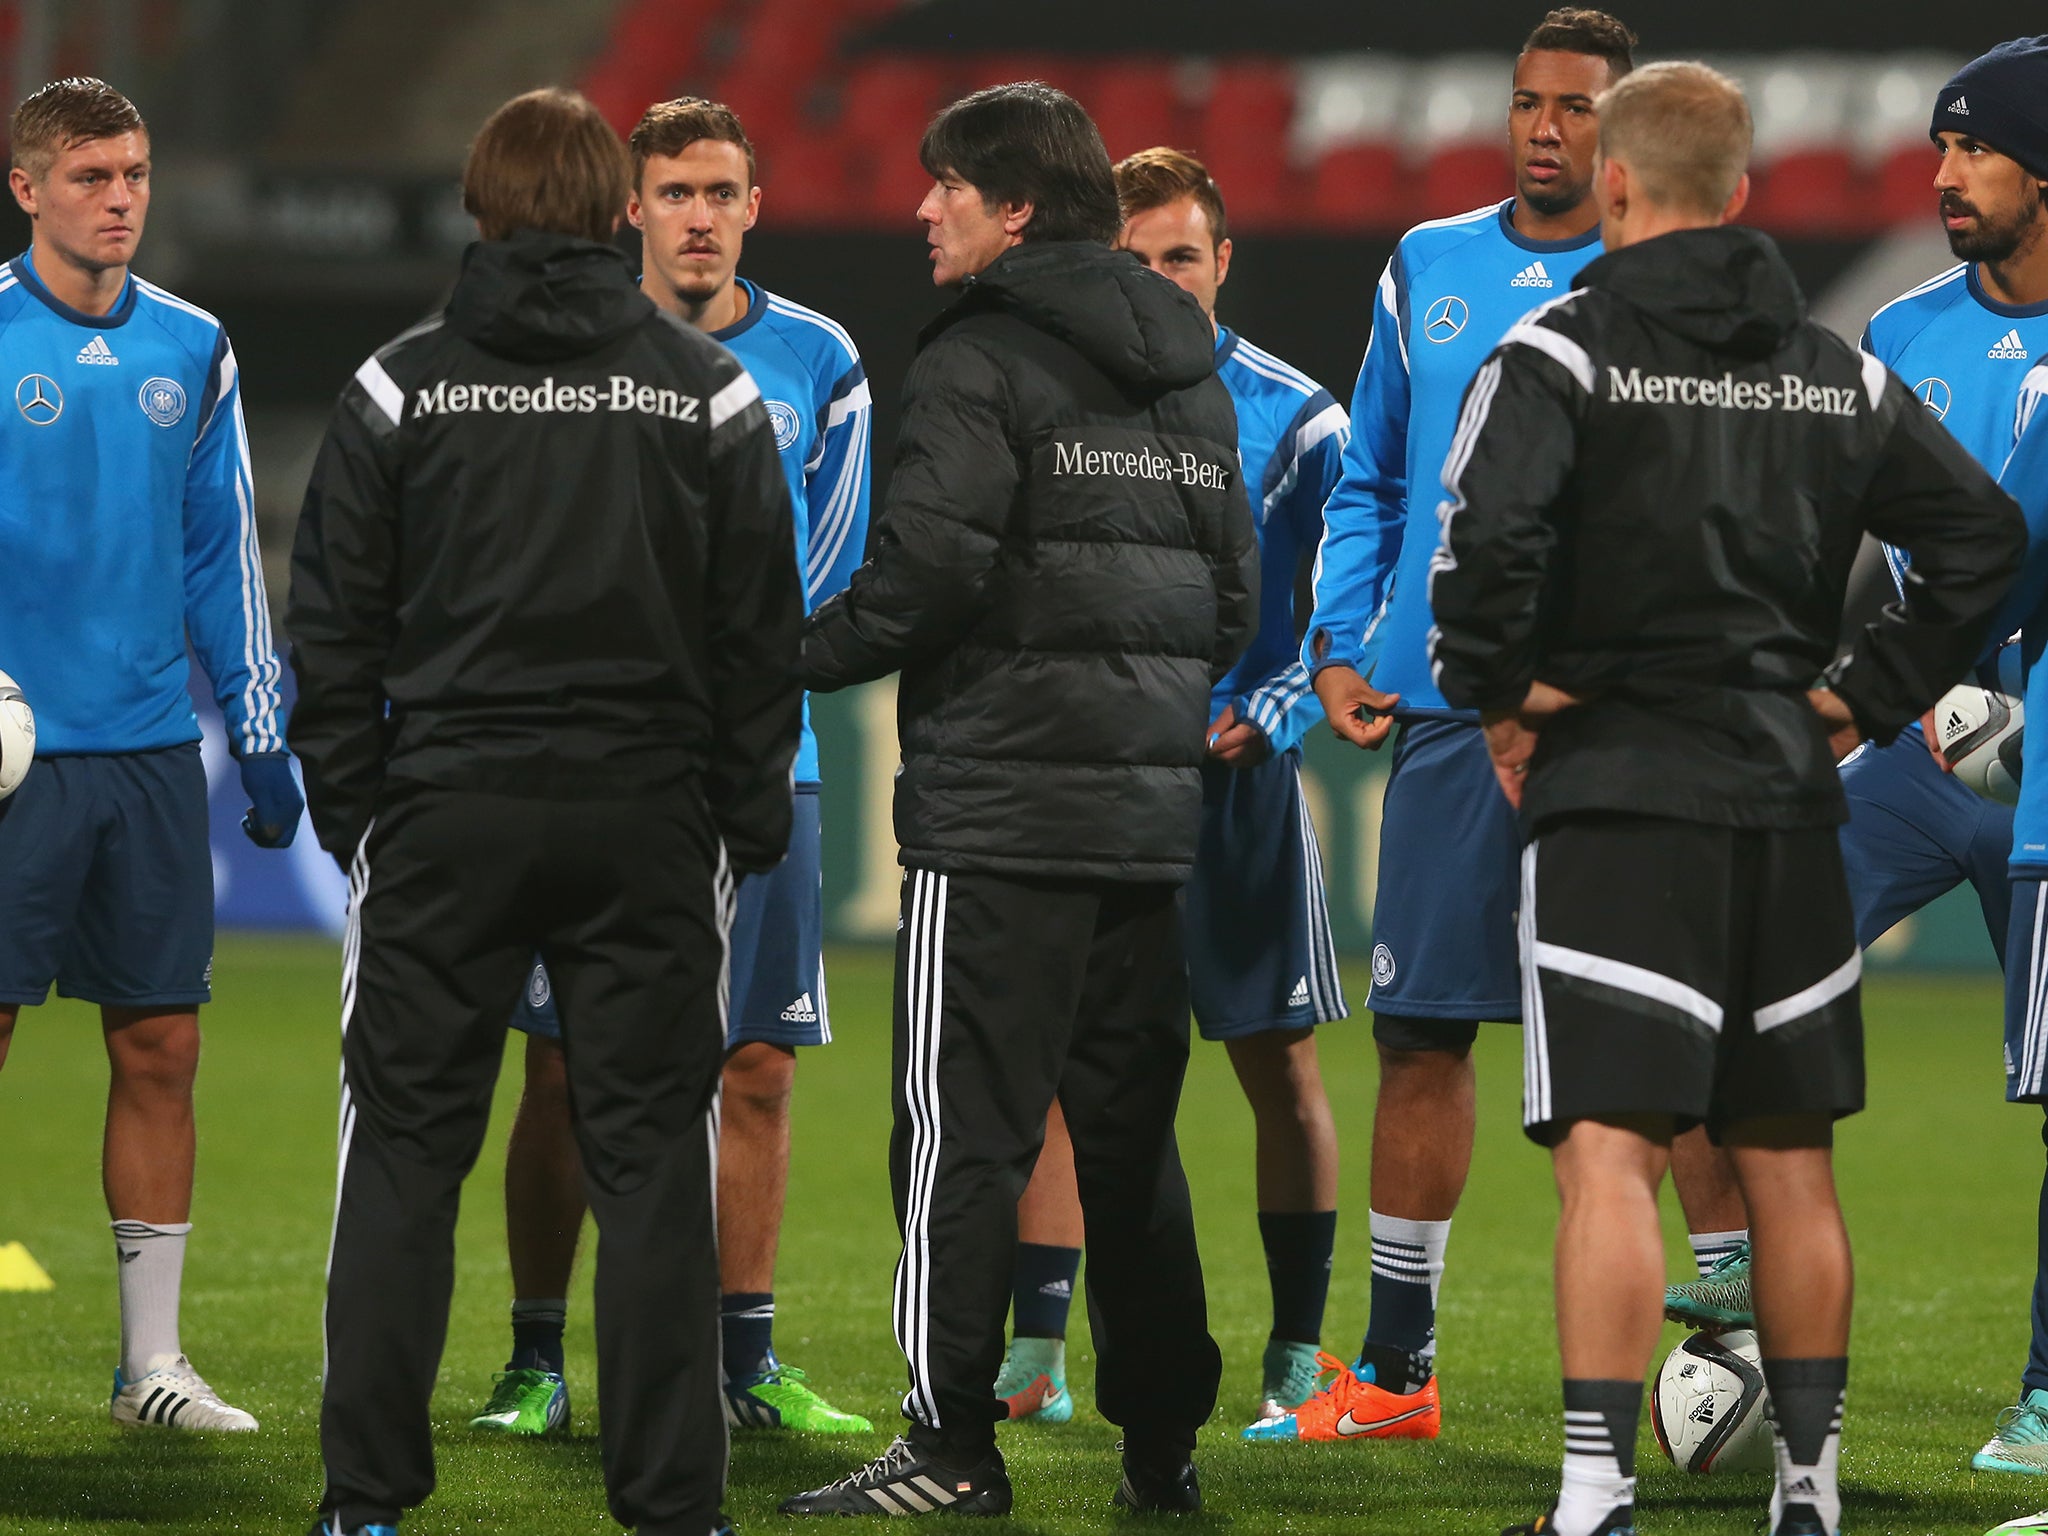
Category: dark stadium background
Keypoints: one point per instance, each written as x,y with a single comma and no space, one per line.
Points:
307,154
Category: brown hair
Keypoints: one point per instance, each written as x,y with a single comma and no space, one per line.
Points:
65,114
1683,129
1572,29
670,127
1152,178
1029,143
546,161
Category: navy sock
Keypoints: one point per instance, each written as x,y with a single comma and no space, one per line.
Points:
1043,1290
1298,1247
537,1335
746,1325
1407,1263
2035,1376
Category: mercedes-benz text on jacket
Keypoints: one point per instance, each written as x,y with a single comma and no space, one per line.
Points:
1065,565
547,551
1654,497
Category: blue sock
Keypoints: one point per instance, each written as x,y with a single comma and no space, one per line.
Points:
1043,1290
1298,1246
1407,1265
2035,1378
746,1322
537,1335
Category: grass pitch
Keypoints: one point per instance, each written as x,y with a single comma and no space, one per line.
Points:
1940,1180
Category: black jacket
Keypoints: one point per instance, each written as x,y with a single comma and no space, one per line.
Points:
1656,492
1065,564
547,550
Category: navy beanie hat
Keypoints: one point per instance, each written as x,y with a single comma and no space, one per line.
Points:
2002,99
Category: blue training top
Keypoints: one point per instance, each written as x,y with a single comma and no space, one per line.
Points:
127,523
811,380
1290,439
2026,480
1451,290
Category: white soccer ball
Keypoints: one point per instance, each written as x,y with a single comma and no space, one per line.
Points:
17,737
1980,726
1711,1411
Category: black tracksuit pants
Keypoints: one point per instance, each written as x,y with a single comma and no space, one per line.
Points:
1009,992
629,903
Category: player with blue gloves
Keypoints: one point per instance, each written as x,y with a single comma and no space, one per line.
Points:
127,532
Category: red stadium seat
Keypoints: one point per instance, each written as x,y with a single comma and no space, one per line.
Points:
1243,141
653,45
1075,76
806,183
1813,192
1137,104
1357,187
1902,187
887,101
1463,177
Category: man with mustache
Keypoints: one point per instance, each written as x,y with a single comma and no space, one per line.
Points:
1964,341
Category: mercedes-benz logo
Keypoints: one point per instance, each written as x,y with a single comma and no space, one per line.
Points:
1934,394
1446,318
38,399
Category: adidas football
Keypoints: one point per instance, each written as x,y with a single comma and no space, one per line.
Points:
1980,727
1711,1411
17,737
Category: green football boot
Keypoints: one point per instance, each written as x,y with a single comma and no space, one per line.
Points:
2019,1441
1033,1381
1718,1300
1289,1377
781,1398
525,1403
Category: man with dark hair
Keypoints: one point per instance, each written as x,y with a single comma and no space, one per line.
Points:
127,530
693,198
589,787
1443,955
1065,567
1261,962
1659,486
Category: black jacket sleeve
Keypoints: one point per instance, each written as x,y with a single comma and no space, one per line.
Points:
1513,452
342,616
754,618
1965,538
940,532
1236,573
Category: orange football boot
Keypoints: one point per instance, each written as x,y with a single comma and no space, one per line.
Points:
1351,1409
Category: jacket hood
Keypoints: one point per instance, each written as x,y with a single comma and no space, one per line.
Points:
541,298
1133,324
1726,289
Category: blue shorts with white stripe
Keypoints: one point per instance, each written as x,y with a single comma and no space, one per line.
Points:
1260,954
2026,995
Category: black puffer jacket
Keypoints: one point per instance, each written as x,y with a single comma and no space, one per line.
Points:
1658,488
1065,565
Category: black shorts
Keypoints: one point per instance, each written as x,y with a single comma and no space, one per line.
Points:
1703,972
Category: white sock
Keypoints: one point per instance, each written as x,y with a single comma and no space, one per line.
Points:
1710,1248
151,1258
1406,1253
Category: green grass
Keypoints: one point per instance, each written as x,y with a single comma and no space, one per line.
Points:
1939,1178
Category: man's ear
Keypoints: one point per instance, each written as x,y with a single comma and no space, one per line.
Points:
1015,217
1614,188
1737,201
1222,263
24,189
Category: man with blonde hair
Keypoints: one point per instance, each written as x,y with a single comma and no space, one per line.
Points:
1657,489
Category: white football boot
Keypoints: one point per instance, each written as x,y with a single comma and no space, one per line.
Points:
175,1396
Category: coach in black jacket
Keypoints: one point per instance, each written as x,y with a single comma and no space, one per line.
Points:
1065,565
1654,498
545,612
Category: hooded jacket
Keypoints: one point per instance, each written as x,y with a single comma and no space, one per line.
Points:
1657,489
1065,565
547,551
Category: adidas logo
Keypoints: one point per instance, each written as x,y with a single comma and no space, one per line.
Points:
1954,726
1805,1486
802,1011
1532,276
1298,998
2009,345
97,351
1059,1288
1960,106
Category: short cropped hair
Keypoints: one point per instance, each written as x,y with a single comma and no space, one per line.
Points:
1573,29
546,161
65,114
1683,129
1029,143
670,127
1152,178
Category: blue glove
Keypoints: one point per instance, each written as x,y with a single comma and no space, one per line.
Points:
275,803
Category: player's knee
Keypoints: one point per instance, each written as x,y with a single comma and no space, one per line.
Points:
759,1079
1420,1063
158,1053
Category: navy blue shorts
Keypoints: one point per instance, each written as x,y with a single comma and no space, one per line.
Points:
778,951
1915,833
1443,925
1260,955
2026,995
106,881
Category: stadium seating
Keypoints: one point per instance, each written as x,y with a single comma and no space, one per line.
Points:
1363,142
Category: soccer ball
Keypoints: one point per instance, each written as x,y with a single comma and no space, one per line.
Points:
1711,1411
17,737
1980,727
